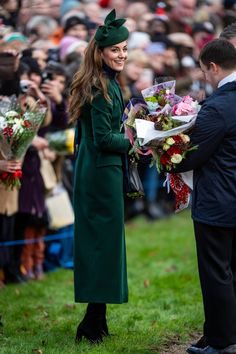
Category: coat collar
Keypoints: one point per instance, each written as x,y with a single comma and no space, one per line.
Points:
228,78
230,86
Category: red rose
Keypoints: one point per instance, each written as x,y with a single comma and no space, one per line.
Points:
177,139
174,150
8,132
17,174
4,176
26,123
164,160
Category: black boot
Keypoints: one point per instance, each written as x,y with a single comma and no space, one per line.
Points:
105,328
93,326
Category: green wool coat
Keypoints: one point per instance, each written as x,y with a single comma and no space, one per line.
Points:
100,273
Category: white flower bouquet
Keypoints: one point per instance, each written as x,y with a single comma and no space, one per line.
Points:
17,130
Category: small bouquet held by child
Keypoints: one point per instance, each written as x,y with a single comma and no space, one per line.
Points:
158,125
17,129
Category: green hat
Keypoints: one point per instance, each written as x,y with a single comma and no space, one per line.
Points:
112,32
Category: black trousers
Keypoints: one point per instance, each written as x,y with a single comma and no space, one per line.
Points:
216,252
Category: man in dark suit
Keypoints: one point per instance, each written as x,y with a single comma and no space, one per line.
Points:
214,198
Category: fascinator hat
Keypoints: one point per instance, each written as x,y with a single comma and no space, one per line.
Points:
112,32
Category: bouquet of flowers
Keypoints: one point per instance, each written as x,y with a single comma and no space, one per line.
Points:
17,130
158,125
62,141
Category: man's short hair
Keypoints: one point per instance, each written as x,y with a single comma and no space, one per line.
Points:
229,32
220,52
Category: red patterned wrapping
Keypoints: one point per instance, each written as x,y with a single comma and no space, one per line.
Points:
181,191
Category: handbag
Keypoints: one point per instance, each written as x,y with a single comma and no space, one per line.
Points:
59,208
47,172
133,186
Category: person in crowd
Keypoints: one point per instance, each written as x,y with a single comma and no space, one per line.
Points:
214,178
53,86
157,27
69,6
228,12
76,27
119,5
97,105
203,32
182,15
31,220
69,45
183,43
143,21
229,33
9,10
136,63
136,9
9,256
93,11
40,27
8,208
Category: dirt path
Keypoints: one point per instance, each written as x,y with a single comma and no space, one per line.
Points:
174,347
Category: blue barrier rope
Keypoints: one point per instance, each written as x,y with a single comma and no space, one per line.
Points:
59,236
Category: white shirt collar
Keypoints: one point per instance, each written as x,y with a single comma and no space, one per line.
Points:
231,77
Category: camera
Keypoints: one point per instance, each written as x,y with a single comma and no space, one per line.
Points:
47,76
24,86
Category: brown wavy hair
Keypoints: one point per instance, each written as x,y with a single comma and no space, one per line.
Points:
89,76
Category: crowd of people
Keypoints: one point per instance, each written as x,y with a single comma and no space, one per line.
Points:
44,43
69,58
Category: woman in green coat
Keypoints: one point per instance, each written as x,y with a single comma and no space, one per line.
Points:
99,246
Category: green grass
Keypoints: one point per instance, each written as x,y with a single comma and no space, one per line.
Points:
164,301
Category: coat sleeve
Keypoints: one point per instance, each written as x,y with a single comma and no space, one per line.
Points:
104,138
207,134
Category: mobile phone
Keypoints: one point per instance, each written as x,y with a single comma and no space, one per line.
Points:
47,76
53,54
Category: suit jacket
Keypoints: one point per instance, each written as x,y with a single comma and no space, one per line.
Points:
214,162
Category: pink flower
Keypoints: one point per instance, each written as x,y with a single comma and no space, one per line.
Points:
182,109
185,107
187,99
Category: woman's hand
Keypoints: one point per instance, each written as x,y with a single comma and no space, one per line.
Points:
35,91
51,89
39,143
10,166
49,154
